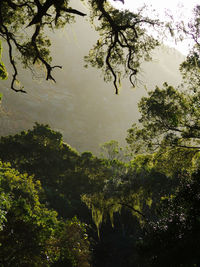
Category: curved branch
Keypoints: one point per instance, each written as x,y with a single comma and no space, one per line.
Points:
10,51
49,68
121,32
110,67
42,11
133,209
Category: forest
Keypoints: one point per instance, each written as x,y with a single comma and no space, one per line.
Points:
133,206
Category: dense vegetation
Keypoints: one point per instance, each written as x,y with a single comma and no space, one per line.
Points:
128,207
60,208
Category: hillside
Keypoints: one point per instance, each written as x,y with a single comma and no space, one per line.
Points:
80,104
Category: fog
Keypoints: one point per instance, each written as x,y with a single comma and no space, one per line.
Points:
80,104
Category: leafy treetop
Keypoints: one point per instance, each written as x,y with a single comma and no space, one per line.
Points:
169,117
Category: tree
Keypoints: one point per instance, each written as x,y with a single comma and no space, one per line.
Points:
174,238
122,46
126,201
190,67
112,151
64,174
137,187
169,117
3,72
169,125
32,235
41,152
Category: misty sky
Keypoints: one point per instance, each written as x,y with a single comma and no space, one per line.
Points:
173,5
81,105
179,9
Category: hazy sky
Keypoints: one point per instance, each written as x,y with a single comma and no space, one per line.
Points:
160,6
158,3
180,9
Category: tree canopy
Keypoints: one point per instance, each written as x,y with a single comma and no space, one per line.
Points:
31,234
3,72
169,117
174,237
140,209
122,45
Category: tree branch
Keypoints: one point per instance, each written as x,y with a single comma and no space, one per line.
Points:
133,209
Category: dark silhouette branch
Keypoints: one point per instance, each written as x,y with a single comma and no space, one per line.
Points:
7,37
42,11
37,15
133,209
38,56
119,31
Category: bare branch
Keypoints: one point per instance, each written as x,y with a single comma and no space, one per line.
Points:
49,68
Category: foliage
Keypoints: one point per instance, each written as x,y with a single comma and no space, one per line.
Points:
112,151
126,201
4,206
138,189
70,244
123,43
29,228
42,153
146,210
169,117
190,67
175,235
3,72
123,199
109,188
64,174
169,125
122,46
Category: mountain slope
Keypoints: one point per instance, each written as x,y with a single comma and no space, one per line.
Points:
80,104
